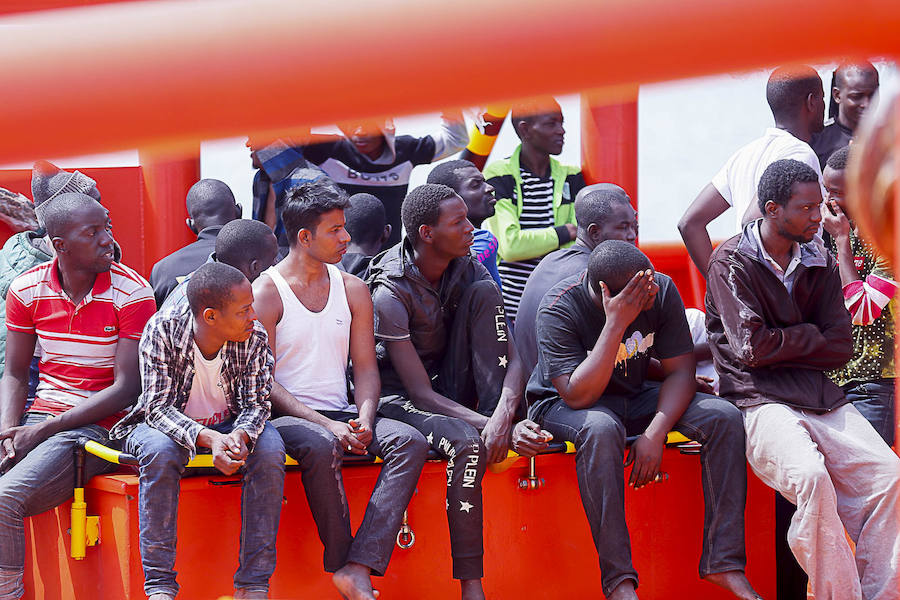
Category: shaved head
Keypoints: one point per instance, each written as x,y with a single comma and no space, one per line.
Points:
210,203
788,88
594,203
615,262
247,245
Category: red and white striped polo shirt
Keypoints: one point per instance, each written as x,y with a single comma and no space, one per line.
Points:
78,342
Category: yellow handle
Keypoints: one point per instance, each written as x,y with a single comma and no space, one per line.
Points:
200,461
78,529
104,452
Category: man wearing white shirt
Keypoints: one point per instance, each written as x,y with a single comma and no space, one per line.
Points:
797,100
318,319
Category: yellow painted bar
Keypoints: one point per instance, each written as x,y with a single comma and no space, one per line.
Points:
79,517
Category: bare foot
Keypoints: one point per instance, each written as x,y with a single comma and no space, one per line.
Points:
736,583
471,589
354,582
624,591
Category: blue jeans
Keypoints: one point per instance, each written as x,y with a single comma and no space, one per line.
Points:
599,435
162,463
42,480
875,400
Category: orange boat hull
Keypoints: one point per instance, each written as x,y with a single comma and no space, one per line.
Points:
537,542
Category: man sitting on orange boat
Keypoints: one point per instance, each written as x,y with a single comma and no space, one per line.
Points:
596,332
206,370
777,322
87,312
318,318
448,365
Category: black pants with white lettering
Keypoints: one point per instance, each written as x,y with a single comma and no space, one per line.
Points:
478,350
461,444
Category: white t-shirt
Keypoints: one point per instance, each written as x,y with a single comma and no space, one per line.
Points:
739,179
697,322
207,404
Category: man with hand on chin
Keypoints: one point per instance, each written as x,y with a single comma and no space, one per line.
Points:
206,369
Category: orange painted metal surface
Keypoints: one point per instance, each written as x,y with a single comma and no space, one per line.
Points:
166,181
168,73
673,260
146,205
609,150
537,542
123,193
9,7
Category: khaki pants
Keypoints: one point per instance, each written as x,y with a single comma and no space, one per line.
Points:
841,475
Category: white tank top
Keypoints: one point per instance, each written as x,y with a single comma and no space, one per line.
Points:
312,348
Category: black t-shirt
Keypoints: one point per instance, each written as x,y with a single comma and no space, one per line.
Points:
552,269
833,137
569,323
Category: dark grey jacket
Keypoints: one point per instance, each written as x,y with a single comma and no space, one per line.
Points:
430,310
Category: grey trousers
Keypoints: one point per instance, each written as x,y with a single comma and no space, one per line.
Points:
42,480
599,436
403,450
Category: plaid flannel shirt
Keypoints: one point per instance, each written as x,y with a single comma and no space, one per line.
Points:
167,373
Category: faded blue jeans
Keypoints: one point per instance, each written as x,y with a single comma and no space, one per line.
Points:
162,462
875,400
42,480
599,434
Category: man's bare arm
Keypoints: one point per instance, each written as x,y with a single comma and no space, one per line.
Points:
418,385
14,387
675,394
708,205
366,381
14,383
269,310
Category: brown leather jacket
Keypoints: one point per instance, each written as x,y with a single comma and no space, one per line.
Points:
769,345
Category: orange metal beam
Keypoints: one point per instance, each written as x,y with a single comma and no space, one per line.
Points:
166,73
166,181
609,135
8,7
